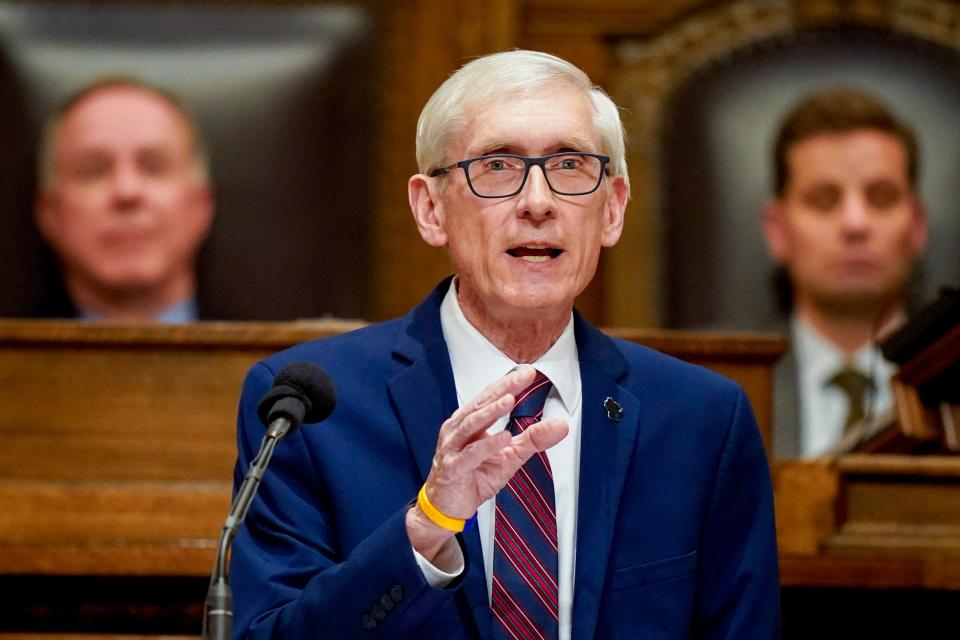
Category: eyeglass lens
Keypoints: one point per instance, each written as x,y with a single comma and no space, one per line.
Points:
569,174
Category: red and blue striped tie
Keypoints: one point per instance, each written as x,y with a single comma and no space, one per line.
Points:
525,598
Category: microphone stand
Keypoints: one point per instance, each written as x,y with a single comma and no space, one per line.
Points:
218,607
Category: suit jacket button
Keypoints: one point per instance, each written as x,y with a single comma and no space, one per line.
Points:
386,602
368,622
396,593
378,613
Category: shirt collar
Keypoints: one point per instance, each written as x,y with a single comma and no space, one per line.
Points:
818,359
184,312
476,362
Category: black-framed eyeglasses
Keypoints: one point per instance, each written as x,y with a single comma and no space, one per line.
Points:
503,175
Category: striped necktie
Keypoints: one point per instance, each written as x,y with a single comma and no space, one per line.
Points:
525,598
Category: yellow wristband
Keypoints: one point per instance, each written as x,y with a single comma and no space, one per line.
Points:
435,516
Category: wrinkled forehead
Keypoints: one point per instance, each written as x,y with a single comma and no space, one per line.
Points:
530,122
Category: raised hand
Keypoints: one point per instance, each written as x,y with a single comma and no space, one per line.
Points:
471,466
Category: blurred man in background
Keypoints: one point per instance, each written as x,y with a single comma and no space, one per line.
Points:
847,228
125,203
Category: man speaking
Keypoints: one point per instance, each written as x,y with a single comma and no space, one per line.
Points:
496,467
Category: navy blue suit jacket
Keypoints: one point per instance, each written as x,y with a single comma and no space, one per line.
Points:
675,530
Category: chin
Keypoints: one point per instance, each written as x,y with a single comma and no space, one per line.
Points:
858,300
538,301
133,279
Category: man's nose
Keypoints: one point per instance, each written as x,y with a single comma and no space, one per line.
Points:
127,184
855,215
536,198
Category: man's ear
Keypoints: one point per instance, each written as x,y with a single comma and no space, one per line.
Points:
614,211
427,209
774,230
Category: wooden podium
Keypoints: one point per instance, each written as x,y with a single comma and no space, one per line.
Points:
909,503
885,516
117,457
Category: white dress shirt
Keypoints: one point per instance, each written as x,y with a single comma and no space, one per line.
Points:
476,363
823,407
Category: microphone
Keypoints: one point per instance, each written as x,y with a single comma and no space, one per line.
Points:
301,392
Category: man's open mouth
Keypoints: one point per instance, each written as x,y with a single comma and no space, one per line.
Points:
535,253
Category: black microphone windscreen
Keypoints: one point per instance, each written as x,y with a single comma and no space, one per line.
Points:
306,383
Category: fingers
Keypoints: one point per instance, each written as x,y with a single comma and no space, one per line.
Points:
517,450
514,381
475,453
510,384
539,437
469,465
472,426
494,401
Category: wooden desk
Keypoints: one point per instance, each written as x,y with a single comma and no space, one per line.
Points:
868,546
869,521
119,442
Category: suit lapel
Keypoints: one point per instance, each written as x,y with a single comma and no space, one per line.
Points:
424,398
424,395
606,448
786,407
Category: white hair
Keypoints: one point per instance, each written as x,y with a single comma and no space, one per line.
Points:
488,78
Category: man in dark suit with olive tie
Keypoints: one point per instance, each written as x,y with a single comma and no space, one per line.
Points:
846,228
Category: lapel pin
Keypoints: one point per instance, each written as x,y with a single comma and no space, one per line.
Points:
613,408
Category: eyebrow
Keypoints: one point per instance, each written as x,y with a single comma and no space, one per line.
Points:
494,145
